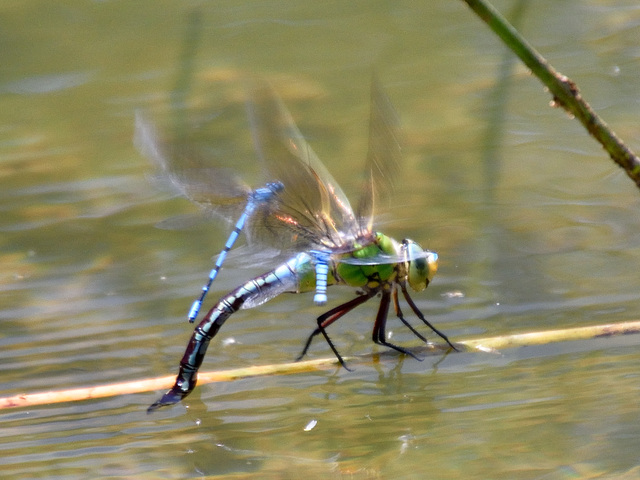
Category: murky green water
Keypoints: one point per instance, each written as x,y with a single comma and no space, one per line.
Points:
535,227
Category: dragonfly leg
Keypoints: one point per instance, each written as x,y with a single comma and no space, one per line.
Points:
399,314
379,335
331,316
419,314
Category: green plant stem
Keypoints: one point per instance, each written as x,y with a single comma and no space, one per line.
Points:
565,92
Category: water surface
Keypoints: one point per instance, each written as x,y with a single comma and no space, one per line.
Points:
536,229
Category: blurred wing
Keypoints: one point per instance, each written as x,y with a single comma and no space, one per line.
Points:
286,284
383,156
181,167
311,210
383,259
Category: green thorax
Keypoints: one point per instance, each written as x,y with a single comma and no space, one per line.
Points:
348,274
368,275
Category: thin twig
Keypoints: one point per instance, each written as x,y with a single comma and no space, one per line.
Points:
565,92
473,345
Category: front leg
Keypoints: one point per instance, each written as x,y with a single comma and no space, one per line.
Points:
399,314
419,314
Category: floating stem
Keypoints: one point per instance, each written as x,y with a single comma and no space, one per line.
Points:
479,345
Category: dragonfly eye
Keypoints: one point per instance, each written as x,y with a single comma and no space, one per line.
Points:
421,265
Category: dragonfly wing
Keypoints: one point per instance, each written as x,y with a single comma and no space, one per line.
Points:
311,207
181,167
385,259
187,221
277,285
383,156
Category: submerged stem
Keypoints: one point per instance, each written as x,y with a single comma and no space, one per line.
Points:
472,345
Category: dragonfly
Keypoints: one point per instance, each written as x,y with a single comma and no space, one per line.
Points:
147,141
255,197
189,183
305,213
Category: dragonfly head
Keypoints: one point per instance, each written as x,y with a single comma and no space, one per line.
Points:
421,265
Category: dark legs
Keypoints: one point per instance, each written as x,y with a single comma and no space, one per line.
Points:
379,335
396,306
379,327
331,316
419,314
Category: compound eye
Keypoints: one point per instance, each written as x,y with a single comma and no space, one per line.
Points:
421,264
